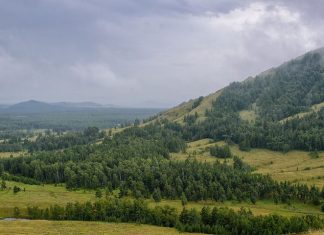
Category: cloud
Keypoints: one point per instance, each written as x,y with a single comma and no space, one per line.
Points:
95,73
135,53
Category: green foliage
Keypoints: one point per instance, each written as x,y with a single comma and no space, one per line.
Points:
98,193
184,199
51,142
113,210
3,185
226,221
16,189
209,220
221,151
157,195
197,102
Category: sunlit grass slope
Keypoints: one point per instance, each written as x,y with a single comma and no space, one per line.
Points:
77,228
178,113
295,166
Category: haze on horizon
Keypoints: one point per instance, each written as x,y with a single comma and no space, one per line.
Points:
146,53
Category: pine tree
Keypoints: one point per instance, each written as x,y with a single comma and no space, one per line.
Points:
3,185
184,199
157,195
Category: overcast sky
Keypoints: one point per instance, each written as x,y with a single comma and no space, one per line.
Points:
146,52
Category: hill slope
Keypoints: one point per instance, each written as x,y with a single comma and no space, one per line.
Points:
280,109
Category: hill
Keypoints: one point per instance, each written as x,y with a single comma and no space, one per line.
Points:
82,105
269,79
34,106
31,106
280,109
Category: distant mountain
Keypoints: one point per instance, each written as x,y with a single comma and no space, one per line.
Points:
31,106
79,105
34,106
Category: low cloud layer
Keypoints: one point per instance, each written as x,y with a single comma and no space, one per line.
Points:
146,53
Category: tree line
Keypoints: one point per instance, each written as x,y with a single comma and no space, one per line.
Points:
223,221
137,163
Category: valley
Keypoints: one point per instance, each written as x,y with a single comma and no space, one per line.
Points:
246,159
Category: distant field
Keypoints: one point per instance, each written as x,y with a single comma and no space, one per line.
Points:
37,195
264,207
75,227
76,119
9,154
295,166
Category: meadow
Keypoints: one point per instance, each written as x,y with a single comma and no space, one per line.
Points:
78,228
46,195
38,195
9,154
295,166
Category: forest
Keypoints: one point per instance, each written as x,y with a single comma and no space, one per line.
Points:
136,162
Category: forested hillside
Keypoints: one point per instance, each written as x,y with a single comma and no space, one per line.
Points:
256,112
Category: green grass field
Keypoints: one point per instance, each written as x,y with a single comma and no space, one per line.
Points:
44,196
295,166
37,195
9,154
76,227
260,208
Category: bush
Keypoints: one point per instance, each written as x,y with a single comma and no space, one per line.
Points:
16,189
221,152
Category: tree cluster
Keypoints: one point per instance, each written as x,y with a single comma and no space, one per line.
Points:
215,220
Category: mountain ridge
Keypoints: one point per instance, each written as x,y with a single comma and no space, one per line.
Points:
178,112
35,106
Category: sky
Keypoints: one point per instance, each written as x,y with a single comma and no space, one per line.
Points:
145,53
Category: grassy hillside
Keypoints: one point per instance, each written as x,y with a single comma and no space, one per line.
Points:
295,166
178,113
281,109
77,228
